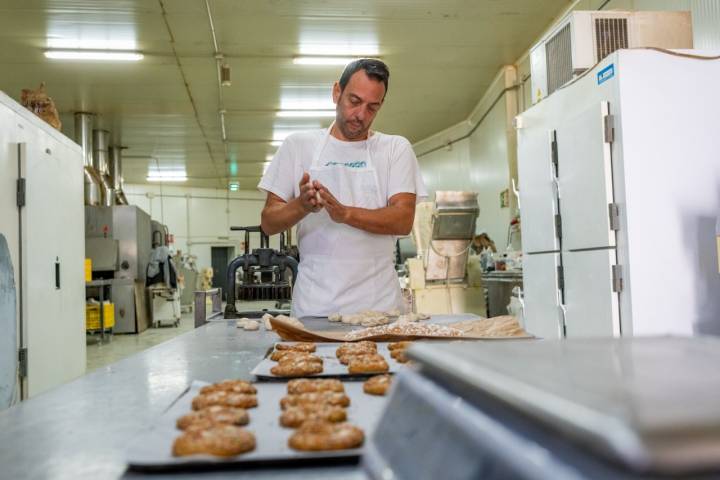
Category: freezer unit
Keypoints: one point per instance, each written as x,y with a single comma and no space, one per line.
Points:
619,180
41,216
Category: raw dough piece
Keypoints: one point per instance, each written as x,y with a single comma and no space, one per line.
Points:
251,325
377,385
335,317
305,385
212,416
293,417
242,322
219,440
236,386
317,435
266,321
315,398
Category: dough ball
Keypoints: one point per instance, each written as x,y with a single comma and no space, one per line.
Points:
251,325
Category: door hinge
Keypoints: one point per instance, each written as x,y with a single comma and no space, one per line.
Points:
554,152
617,278
558,225
23,362
20,194
614,214
561,278
609,128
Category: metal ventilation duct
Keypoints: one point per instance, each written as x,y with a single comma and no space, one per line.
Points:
116,174
101,162
83,136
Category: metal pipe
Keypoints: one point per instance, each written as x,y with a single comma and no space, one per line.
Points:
101,154
83,136
116,174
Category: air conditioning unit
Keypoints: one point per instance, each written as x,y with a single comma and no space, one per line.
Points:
583,38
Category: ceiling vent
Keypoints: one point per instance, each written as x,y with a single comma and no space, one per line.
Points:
584,38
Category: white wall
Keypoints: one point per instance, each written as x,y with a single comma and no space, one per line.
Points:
482,162
486,161
200,218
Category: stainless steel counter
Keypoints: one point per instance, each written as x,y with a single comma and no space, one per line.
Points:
80,430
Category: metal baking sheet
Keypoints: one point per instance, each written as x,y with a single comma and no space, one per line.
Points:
152,449
331,365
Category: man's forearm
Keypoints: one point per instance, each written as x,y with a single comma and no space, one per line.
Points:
279,217
391,220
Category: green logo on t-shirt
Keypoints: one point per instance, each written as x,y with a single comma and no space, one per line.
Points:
360,164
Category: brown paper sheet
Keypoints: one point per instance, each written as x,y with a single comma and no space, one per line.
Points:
497,328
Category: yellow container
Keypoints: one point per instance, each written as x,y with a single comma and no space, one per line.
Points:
88,270
92,316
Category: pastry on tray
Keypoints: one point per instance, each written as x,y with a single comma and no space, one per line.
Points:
225,399
293,417
305,385
373,363
236,386
215,414
298,347
218,440
296,368
315,435
315,398
377,385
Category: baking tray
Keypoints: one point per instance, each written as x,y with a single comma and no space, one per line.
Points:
152,449
331,365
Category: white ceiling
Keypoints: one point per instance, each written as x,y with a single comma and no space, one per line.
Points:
442,55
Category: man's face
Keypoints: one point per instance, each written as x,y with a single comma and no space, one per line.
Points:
357,105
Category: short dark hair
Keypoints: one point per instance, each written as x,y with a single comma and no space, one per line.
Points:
374,69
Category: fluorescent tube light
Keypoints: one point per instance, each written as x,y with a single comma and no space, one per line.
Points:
234,186
306,113
103,55
322,60
160,178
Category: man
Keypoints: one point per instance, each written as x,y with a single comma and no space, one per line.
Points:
350,190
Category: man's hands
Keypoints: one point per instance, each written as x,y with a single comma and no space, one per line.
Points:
309,194
338,212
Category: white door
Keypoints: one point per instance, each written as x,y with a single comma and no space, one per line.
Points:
541,295
585,180
9,231
53,251
591,304
538,205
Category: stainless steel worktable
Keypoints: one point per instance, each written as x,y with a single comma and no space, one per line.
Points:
81,429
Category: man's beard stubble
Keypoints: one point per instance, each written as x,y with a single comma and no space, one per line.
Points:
342,124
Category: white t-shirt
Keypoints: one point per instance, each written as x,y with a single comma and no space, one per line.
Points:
392,156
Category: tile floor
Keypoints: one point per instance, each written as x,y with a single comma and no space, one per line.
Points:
117,347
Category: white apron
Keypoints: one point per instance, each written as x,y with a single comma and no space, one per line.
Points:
342,268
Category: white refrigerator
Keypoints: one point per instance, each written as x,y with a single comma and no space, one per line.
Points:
619,179
42,220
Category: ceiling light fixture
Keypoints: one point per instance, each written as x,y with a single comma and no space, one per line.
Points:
276,143
161,178
305,113
103,55
323,60
167,176
234,186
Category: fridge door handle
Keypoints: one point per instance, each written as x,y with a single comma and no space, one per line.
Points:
57,273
